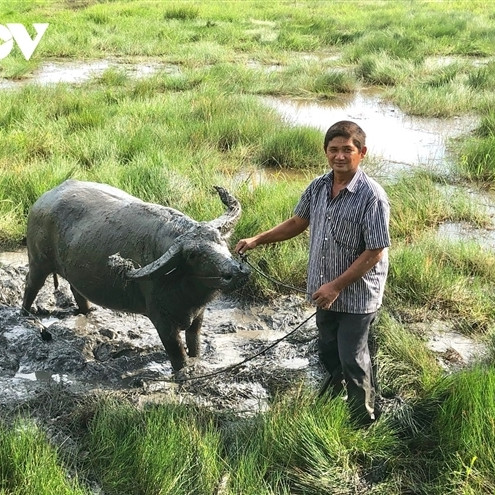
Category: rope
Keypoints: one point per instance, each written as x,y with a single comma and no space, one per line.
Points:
266,349
250,358
271,279
237,365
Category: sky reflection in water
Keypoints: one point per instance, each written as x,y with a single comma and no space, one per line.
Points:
392,136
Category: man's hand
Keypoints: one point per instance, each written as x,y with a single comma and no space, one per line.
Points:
245,244
325,295
283,231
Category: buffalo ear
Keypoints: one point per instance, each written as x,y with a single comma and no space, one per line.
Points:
164,264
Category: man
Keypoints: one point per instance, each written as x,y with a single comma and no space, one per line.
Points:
348,215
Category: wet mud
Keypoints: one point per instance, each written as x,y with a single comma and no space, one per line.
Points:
119,352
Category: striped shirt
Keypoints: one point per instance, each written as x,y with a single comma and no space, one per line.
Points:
341,228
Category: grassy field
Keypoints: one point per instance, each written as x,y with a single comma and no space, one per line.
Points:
199,121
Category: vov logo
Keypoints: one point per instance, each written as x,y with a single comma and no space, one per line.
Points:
18,33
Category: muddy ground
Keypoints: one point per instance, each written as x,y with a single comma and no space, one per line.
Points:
122,353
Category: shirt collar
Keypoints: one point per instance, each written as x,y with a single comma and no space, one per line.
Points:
353,185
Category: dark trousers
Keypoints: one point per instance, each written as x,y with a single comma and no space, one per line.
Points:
343,349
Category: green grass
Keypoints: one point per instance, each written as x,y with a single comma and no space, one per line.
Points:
188,140
454,279
406,367
155,451
301,444
292,148
441,443
237,44
420,202
29,464
467,430
476,160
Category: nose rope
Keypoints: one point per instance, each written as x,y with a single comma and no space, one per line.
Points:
250,358
244,258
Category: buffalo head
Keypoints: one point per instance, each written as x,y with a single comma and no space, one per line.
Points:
201,253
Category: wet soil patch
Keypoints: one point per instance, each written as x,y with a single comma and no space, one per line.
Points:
122,353
70,72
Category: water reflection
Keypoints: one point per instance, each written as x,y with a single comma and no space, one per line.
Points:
393,136
463,231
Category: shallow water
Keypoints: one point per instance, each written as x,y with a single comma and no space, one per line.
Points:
463,231
400,141
69,72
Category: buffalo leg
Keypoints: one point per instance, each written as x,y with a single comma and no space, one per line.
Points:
34,282
192,336
174,346
82,302
170,336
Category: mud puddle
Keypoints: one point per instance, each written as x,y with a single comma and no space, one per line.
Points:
466,232
111,351
63,71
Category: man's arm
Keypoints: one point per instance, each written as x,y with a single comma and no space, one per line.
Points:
283,231
327,293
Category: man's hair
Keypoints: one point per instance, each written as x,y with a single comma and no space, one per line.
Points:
348,130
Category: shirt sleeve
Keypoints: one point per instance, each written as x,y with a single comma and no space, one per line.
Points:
302,208
377,218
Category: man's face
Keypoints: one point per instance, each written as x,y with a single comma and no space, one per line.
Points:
343,155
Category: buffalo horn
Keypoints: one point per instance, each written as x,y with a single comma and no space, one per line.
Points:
165,263
226,222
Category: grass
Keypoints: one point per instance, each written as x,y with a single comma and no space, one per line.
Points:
29,464
238,44
406,367
420,202
466,429
302,444
477,152
169,453
199,121
432,275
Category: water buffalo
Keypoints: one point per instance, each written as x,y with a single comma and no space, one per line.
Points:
122,253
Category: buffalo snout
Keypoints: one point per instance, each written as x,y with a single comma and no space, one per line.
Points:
235,277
